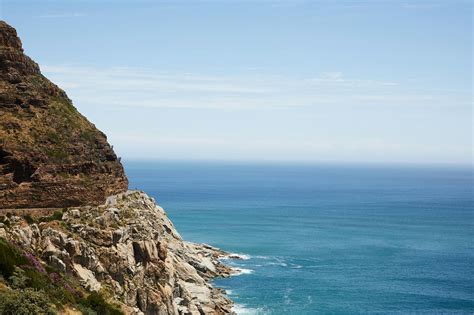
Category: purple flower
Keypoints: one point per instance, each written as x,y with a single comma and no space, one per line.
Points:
34,261
55,278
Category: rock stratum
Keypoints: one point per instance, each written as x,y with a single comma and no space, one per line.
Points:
108,251
128,250
50,155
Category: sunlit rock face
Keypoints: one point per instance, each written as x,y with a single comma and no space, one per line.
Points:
130,250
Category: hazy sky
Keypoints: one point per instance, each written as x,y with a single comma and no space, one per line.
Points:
358,81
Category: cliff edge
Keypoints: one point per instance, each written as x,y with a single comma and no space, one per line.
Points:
109,251
128,250
50,155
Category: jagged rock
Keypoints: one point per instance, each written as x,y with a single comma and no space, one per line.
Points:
50,155
140,259
72,247
57,263
87,277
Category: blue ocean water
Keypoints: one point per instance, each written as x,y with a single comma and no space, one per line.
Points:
328,238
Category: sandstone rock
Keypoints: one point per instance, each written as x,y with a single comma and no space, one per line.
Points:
87,278
50,155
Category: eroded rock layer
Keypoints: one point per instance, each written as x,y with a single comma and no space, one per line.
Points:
129,250
50,155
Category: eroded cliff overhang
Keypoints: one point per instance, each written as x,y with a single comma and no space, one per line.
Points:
50,155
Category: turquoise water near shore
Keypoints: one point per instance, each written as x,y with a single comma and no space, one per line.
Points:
327,238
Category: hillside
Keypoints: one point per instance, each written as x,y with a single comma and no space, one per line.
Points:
73,239
50,155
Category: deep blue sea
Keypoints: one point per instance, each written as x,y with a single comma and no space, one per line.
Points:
330,239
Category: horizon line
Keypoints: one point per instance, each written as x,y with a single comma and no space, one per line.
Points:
300,162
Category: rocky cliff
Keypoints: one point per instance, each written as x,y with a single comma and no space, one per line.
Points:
128,250
50,155
108,251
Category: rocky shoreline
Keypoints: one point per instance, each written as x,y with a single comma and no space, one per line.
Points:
129,250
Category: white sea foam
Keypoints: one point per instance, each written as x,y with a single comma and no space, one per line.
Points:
240,309
241,271
236,256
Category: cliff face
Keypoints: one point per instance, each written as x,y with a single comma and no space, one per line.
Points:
128,250
121,249
50,155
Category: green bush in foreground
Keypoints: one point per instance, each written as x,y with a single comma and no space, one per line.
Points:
24,302
33,289
9,258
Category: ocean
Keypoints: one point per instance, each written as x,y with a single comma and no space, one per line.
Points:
327,239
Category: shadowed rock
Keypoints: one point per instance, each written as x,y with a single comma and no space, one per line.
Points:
50,155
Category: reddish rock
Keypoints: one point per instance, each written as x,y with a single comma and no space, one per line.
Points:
50,155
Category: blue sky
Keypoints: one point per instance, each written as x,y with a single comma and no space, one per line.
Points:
338,81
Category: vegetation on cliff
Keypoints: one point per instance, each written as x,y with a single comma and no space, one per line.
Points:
108,250
50,155
27,286
125,252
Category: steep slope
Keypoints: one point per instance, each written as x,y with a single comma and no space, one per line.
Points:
50,155
129,251
108,251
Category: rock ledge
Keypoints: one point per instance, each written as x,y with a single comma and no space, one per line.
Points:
129,249
50,155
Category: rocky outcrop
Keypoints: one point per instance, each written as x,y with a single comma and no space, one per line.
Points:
129,249
123,246
50,155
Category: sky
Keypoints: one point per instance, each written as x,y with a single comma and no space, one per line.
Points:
267,80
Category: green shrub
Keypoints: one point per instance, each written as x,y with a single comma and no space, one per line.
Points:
96,302
36,289
24,302
57,291
22,273
56,216
36,280
9,258
86,310
29,219
18,280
